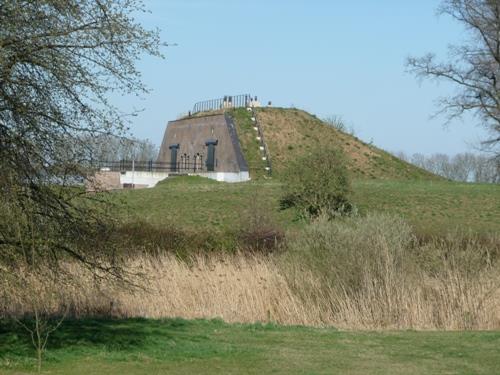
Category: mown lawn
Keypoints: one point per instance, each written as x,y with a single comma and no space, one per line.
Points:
431,206
175,346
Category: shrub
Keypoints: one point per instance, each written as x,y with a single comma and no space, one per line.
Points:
336,122
134,238
258,229
318,183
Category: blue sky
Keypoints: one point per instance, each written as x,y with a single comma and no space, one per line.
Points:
327,57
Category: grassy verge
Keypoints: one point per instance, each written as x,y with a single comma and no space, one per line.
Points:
175,346
198,203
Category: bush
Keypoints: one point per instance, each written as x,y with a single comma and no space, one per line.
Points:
259,231
318,183
143,238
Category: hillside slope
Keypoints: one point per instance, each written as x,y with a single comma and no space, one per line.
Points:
292,132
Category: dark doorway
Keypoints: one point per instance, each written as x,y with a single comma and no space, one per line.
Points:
211,154
173,157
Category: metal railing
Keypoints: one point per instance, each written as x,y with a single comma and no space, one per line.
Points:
150,166
236,101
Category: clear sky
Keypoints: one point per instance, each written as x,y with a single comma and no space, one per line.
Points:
328,57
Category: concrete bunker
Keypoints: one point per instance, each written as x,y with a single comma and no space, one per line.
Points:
204,145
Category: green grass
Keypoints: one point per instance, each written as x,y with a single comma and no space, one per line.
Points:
248,142
175,346
292,132
199,203
434,206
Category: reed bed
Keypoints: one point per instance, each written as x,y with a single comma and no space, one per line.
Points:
368,273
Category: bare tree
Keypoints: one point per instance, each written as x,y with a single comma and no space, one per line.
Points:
486,170
473,67
112,148
338,122
419,160
42,324
59,61
465,167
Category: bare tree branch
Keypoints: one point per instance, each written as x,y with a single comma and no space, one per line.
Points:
59,62
474,68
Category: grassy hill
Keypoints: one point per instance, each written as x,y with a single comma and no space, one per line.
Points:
292,132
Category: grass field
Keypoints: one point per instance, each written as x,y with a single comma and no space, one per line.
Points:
434,207
431,206
176,346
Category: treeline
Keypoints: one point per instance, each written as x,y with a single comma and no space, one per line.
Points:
466,167
113,148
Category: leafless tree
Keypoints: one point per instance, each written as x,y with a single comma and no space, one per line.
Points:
59,61
465,167
473,67
338,122
33,294
419,160
112,148
486,169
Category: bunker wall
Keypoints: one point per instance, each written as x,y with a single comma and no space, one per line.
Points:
192,134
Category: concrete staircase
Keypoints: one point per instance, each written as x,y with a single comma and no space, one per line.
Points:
264,150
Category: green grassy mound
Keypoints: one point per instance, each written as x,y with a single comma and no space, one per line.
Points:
176,346
292,132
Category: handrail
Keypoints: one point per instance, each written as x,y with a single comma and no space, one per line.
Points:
236,101
149,166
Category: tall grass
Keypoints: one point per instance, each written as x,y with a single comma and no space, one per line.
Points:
375,273
235,288
358,273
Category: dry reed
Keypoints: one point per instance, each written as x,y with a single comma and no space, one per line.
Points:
385,290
